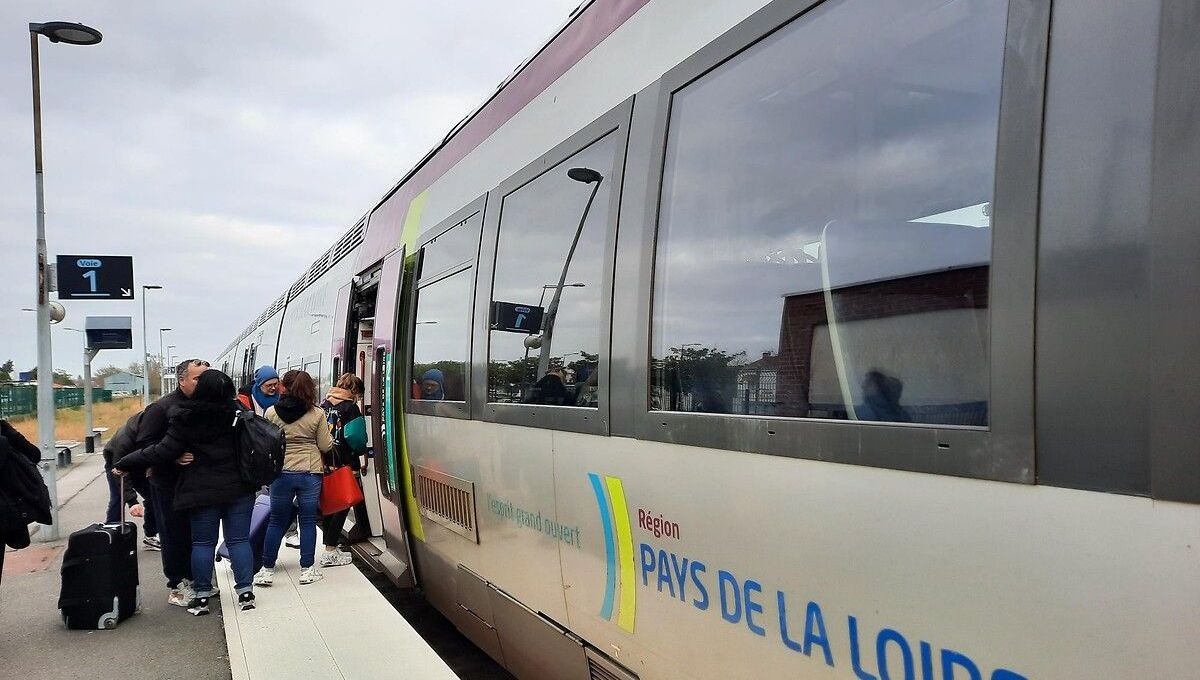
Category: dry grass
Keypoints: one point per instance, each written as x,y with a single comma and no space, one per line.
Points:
69,422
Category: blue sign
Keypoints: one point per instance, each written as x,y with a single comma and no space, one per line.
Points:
509,316
95,277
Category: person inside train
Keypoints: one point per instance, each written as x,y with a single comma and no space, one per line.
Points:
349,430
308,440
265,392
433,385
550,390
202,440
881,399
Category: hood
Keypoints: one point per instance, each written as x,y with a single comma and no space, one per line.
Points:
290,409
204,419
337,395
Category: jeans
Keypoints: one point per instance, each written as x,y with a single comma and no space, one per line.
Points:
142,486
304,487
174,533
234,518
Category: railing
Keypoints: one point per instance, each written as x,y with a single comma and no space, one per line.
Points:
20,400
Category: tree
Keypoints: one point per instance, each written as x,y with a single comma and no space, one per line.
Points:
62,377
6,371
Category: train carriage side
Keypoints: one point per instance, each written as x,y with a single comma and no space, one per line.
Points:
782,423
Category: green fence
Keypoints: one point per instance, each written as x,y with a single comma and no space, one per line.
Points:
20,400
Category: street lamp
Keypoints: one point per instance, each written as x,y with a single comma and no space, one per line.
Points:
584,176
146,350
72,34
162,365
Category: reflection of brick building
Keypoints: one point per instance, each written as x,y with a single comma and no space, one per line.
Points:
757,384
804,314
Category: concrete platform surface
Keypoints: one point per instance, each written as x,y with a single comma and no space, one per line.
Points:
160,642
338,628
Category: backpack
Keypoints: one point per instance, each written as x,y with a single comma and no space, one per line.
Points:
124,440
260,449
24,497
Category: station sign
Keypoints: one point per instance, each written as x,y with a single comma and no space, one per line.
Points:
509,316
109,332
95,277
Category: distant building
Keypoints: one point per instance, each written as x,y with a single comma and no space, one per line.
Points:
124,382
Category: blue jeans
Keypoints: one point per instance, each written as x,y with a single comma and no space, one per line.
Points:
235,519
305,488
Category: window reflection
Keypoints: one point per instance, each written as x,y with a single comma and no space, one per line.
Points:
824,229
557,364
441,338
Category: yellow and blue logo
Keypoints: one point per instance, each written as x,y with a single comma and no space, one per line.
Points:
618,547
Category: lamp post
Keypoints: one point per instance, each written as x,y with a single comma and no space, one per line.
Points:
72,34
146,350
585,176
171,378
162,363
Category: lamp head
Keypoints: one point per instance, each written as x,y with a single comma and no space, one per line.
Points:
67,32
585,175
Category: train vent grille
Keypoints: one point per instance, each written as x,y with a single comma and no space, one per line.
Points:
448,501
601,667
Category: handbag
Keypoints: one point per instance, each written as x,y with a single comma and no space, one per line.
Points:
339,490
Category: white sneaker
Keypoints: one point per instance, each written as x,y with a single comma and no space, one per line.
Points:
264,577
336,558
292,540
182,594
310,575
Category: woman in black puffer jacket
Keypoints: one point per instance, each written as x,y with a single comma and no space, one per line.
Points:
202,438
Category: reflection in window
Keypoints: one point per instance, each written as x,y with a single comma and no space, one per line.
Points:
441,337
537,249
824,228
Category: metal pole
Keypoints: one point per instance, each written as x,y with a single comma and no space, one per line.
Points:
45,386
145,354
162,373
552,311
89,433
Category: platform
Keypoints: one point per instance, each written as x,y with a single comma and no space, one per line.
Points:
333,629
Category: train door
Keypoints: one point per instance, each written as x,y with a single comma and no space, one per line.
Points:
388,546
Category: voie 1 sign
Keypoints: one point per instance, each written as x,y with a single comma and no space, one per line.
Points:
509,316
95,277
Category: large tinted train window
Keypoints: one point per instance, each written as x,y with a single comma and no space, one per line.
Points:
442,333
825,220
545,238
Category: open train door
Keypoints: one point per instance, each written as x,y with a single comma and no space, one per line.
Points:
384,546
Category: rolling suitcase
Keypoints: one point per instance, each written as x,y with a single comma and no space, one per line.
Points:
100,575
259,518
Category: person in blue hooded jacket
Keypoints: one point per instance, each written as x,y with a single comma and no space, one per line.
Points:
265,392
433,385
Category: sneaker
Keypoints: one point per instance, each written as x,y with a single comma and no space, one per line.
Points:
198,606
246,601
152,543
310,575
182,594
336,558
292,541
264,577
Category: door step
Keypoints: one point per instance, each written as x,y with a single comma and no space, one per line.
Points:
375,554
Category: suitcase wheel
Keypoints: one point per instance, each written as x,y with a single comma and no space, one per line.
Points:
108,622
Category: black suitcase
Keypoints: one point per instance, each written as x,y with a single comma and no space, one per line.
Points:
100,576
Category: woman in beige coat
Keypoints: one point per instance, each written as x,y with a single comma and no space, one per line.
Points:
308,440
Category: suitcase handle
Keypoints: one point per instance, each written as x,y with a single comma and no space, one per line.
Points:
122,497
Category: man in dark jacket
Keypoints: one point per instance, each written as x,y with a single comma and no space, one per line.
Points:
24,497
174,532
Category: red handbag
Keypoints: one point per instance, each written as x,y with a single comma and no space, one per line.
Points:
339,490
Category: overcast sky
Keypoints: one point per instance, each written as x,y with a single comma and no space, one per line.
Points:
225,145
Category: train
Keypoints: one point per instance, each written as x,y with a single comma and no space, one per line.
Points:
792,339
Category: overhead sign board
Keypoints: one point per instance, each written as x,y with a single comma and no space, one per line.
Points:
509,316
95,277
109,332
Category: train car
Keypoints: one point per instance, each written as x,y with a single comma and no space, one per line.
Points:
794,339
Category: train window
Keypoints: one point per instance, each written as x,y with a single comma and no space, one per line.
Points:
824,235
549,262
442,329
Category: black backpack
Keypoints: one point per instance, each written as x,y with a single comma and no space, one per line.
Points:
260,449
24,497
124,440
